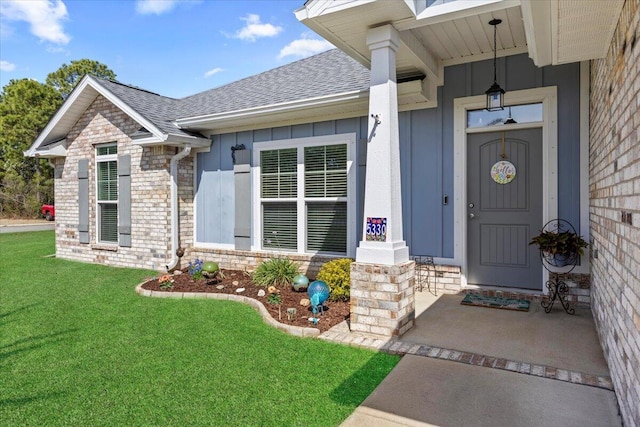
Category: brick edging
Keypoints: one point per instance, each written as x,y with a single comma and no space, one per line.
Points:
395,346
297,331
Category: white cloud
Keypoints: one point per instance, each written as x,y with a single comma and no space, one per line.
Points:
158,7
7,66
304,47
44,16
255,29
212,72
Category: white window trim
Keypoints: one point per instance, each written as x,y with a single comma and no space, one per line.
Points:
102,159
548,97
350,140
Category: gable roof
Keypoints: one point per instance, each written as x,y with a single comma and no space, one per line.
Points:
325,74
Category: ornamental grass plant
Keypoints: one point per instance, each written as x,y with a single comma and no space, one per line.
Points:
275,272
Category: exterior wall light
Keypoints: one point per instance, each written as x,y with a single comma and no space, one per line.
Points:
495,94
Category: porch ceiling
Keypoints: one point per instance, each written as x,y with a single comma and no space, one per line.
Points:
438,33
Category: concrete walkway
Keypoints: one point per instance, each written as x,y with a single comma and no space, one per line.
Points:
423,391
478,366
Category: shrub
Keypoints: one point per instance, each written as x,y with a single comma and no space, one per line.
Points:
337,274
275,272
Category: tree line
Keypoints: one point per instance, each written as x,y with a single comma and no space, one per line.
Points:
26,106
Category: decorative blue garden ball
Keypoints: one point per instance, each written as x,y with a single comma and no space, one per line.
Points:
321,288
300,282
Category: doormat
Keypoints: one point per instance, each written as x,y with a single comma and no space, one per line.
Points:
496,302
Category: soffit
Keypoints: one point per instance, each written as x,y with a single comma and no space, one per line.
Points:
454,32
584,29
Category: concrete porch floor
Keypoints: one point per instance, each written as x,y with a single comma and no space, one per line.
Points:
556,339
466,365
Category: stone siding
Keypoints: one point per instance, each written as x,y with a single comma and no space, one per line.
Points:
248,260
102,123
382,298
614,187
446,279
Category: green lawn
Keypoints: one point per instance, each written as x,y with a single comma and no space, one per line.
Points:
78,347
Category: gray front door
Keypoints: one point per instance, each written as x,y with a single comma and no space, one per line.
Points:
502,217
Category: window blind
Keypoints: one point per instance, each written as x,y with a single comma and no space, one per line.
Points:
327,227
108,180
280,225
109,222
325,171
278,173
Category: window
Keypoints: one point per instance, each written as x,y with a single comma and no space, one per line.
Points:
107,193
525,113
304,194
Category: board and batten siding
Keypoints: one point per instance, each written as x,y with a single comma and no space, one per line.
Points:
426,155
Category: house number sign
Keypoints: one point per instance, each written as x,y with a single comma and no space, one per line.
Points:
376,229
503,172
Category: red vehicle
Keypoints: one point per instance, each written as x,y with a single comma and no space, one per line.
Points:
49,212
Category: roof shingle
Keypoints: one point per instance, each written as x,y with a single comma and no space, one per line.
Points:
328,73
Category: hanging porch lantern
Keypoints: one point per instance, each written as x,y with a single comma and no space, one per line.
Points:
495,94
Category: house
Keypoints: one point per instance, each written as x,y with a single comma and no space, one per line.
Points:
382,150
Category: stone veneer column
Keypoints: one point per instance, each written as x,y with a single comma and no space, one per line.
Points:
382,298
382,278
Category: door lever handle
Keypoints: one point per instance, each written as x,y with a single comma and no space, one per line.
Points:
472,216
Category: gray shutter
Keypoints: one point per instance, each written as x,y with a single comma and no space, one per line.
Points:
242,184
83,200
124,200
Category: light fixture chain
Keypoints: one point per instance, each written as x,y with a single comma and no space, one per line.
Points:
495,52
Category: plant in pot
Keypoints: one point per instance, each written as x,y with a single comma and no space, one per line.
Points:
559,247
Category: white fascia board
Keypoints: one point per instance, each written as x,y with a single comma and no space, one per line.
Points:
317,8
172,140
411,96
89,83
73,96
50,151
199,121
537,20
329,36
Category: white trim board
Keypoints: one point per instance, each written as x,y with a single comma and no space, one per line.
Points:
256,220
548,97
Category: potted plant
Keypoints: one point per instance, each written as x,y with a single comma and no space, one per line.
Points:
560,247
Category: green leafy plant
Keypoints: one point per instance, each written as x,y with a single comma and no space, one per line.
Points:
337,274
564,243
275,272
165,281
276,299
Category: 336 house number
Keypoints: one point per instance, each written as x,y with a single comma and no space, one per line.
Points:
376,229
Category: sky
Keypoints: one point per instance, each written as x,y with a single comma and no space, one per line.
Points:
172,47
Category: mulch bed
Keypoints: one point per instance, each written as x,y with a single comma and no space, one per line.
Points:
334,312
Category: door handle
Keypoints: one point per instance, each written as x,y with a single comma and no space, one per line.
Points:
472,216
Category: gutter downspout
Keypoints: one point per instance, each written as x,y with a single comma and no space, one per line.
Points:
176,250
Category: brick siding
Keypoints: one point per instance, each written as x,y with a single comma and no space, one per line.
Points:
614,161
101,123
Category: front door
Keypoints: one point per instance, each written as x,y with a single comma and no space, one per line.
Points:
504,208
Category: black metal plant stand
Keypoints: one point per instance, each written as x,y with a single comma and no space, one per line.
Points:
558,268
424,267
